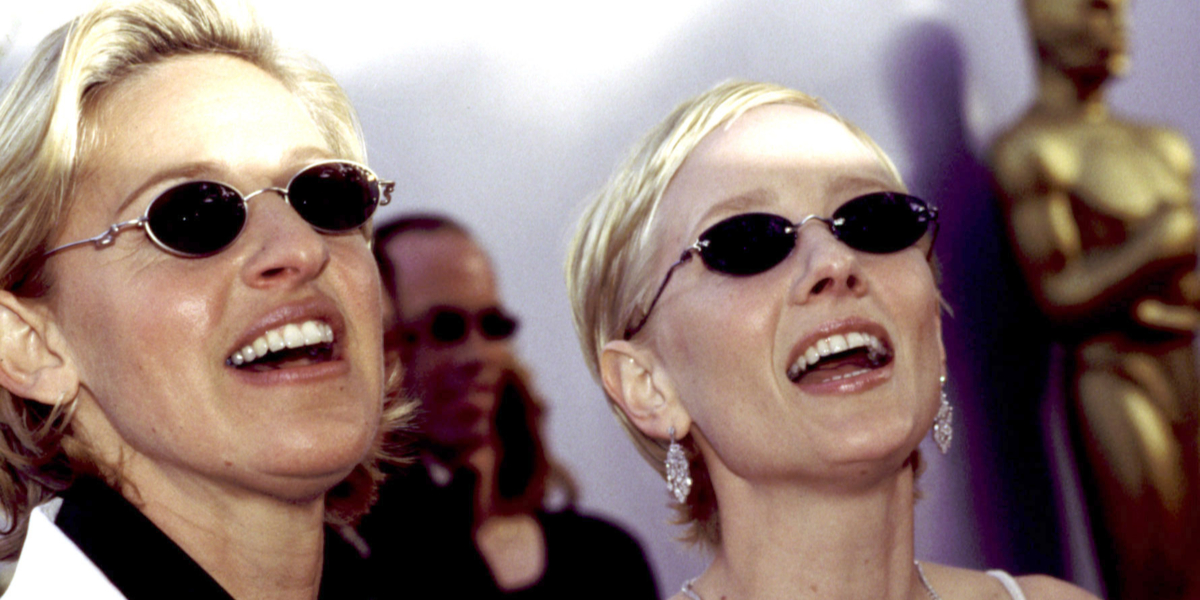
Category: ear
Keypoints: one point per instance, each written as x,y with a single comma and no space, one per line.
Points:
644,392
31,358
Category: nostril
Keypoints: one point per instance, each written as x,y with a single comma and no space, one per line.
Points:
852,282
821,285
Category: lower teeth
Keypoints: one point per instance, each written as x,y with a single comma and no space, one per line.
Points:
847,375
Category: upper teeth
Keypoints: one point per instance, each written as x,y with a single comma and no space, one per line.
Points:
832,345
289,337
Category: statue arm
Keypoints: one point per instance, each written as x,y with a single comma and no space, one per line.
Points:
1095,275
1177,155
1068,279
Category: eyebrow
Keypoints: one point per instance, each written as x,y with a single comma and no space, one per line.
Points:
842,185
847,185
198,169
742,202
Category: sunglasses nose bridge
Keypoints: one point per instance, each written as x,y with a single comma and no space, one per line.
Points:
283,193
832,224
810,218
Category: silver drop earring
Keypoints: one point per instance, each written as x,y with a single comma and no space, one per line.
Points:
943,430
679,475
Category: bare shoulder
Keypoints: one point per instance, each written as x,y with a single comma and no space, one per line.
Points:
1043,587
955,582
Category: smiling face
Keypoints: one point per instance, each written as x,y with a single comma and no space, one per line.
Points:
152,334
456,382
728,344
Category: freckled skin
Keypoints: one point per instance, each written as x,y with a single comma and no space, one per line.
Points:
150,332
725,341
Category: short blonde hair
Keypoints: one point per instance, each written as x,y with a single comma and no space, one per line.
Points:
45,128
609,263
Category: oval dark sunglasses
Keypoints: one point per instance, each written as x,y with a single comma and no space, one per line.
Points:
753,243
450,325
201,218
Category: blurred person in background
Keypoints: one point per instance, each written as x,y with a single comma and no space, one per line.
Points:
486,513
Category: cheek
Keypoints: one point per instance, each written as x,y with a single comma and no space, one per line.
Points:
139,341
717,339
133,325
360,293
916,306
712,316
358,278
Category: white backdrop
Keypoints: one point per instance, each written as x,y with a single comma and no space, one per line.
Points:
507,115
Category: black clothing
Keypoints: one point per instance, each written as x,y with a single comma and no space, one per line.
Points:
144,564
421,541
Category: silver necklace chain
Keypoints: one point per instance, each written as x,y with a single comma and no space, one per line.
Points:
689,588
933,595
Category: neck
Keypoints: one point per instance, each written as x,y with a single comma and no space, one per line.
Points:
1079,95
790,541
483,462
254,546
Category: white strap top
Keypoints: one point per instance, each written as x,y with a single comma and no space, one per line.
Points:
1010,584
1006,580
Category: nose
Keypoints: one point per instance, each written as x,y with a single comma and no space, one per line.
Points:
827,267
284,249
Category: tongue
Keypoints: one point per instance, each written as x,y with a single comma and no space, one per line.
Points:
839,366
823,375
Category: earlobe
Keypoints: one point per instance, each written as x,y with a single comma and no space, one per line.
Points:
31,362
644,393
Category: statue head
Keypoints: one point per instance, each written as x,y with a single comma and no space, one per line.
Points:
1081,38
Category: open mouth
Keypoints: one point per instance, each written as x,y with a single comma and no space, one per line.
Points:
840,356
292,345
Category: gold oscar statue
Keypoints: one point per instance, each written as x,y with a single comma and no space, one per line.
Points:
1099,211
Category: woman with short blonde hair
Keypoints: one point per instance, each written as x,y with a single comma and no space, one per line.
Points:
754,289
216,377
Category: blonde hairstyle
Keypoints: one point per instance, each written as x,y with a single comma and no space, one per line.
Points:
609,269
45,134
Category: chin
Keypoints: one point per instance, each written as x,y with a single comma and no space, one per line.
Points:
314,463
298,483
888,448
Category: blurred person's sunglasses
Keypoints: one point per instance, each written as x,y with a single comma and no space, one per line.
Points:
753,243
201,218
448,326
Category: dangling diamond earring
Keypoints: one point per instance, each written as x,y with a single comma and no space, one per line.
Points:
943,431
679,476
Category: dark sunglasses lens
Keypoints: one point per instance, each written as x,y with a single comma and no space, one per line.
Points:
496,325
747,244
334,196
448,327
197,218
882,222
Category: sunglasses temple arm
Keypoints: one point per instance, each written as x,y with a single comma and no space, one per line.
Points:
933,238
102,240
386,189
633,330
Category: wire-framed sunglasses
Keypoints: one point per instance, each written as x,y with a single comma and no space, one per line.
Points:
450,325
753,243
201,218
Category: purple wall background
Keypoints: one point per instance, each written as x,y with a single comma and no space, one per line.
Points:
507,115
